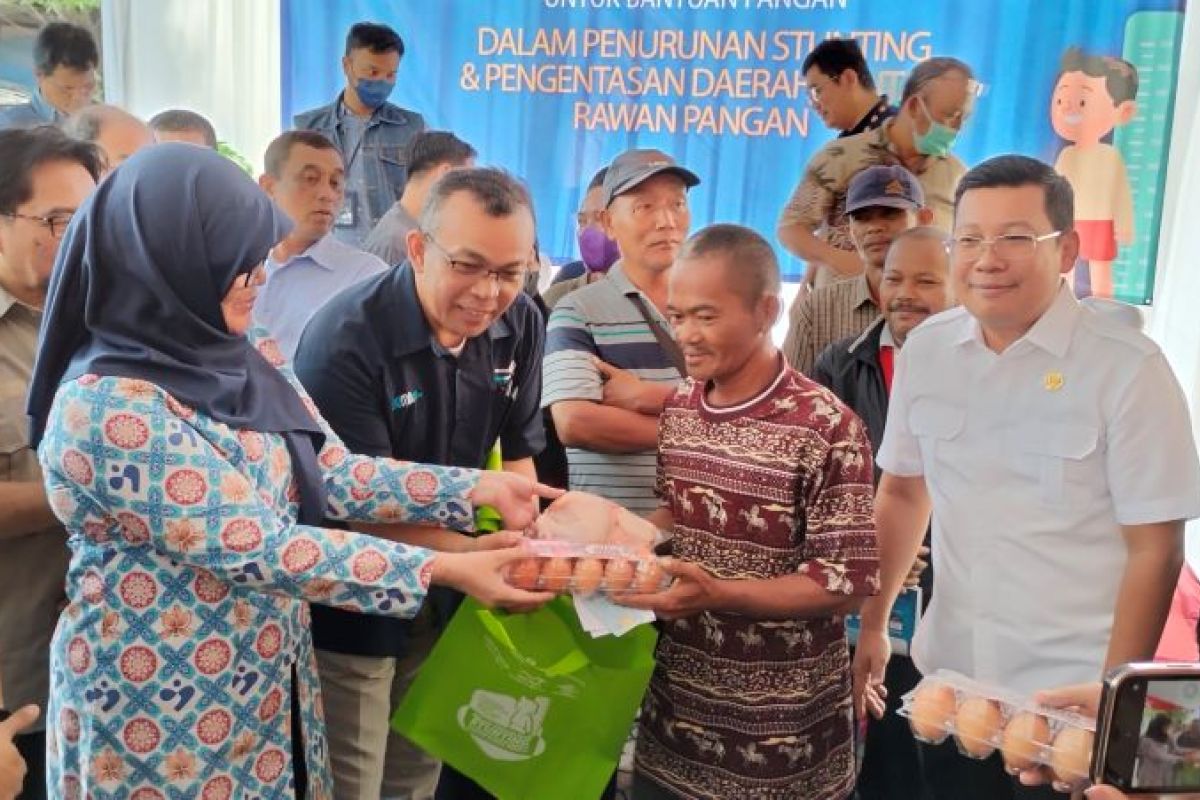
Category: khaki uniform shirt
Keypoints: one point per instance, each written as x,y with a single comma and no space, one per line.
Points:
33,566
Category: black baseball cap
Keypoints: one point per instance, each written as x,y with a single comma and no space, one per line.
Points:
890,186
634,166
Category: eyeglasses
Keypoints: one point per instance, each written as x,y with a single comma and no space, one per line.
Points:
1007,246
508,276
815,90
55,223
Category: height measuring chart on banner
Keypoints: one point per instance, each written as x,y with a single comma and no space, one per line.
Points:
553,89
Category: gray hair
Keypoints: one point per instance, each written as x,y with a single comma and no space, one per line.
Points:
86,123
931,70
497,191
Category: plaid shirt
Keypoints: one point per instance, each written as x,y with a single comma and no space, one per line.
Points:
820,317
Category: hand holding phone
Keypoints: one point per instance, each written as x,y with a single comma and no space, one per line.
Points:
1148,730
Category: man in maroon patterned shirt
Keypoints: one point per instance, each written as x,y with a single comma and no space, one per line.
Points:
765,479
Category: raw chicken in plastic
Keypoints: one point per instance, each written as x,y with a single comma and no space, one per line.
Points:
590,519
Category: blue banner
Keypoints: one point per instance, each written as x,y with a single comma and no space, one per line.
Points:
553,89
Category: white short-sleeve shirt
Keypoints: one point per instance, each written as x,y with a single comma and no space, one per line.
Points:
1034,458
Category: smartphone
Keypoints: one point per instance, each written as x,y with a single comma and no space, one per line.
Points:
1148,729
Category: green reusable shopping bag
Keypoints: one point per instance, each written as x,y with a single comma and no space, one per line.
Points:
529,706
487,519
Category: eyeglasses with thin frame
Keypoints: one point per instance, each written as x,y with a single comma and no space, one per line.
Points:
510,276
815,90
55,223
1006,246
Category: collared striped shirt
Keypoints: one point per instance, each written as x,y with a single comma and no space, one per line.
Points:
600,320
820,317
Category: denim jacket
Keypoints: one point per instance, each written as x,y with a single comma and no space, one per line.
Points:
384,148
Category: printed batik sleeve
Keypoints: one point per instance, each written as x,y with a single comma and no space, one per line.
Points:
369,489
122,459
840,551
812,199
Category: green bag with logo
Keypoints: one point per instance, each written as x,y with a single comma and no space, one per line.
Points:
529,706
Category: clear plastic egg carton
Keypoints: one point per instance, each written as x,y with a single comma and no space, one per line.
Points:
585,569
983,719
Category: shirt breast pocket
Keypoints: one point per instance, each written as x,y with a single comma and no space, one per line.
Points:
395,164
1066,460
14,436
938,426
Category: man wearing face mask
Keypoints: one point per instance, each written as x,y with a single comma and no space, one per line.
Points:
372,133
935,103
597,252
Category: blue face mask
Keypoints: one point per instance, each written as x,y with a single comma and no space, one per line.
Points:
373,93
938,140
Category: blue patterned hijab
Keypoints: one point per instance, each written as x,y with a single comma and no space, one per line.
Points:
136,292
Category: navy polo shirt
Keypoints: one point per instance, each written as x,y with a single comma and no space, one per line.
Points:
387,388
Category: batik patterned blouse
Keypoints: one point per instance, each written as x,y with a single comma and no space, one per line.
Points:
172,667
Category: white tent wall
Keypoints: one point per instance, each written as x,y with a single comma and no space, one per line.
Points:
219,58
1175,316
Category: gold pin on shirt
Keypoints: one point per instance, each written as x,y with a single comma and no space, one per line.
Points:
1052,381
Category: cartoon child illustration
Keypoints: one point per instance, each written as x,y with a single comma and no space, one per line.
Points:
1093,95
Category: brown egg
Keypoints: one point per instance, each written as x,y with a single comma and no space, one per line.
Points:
976,726
931,711
589,573
618,575
649,577
1024,737
556,574
524,574
1071,755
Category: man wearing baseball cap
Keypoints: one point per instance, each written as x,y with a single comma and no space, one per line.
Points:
611,360
881,201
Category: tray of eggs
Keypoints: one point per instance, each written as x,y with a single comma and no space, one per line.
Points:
585,569
983,719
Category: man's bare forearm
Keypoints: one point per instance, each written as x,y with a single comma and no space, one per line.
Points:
902,509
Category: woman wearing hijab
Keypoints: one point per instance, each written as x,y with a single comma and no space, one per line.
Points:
192,474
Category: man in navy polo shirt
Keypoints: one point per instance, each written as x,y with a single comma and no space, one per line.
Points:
433,360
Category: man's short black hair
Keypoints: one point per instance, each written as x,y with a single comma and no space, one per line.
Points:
281,147
750,260
1120,76
178,120
930,70
61,44
373,36
1015,171
22,150
430,149
497,191
834,56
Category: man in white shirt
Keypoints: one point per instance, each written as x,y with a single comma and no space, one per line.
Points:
307,180
1054,448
